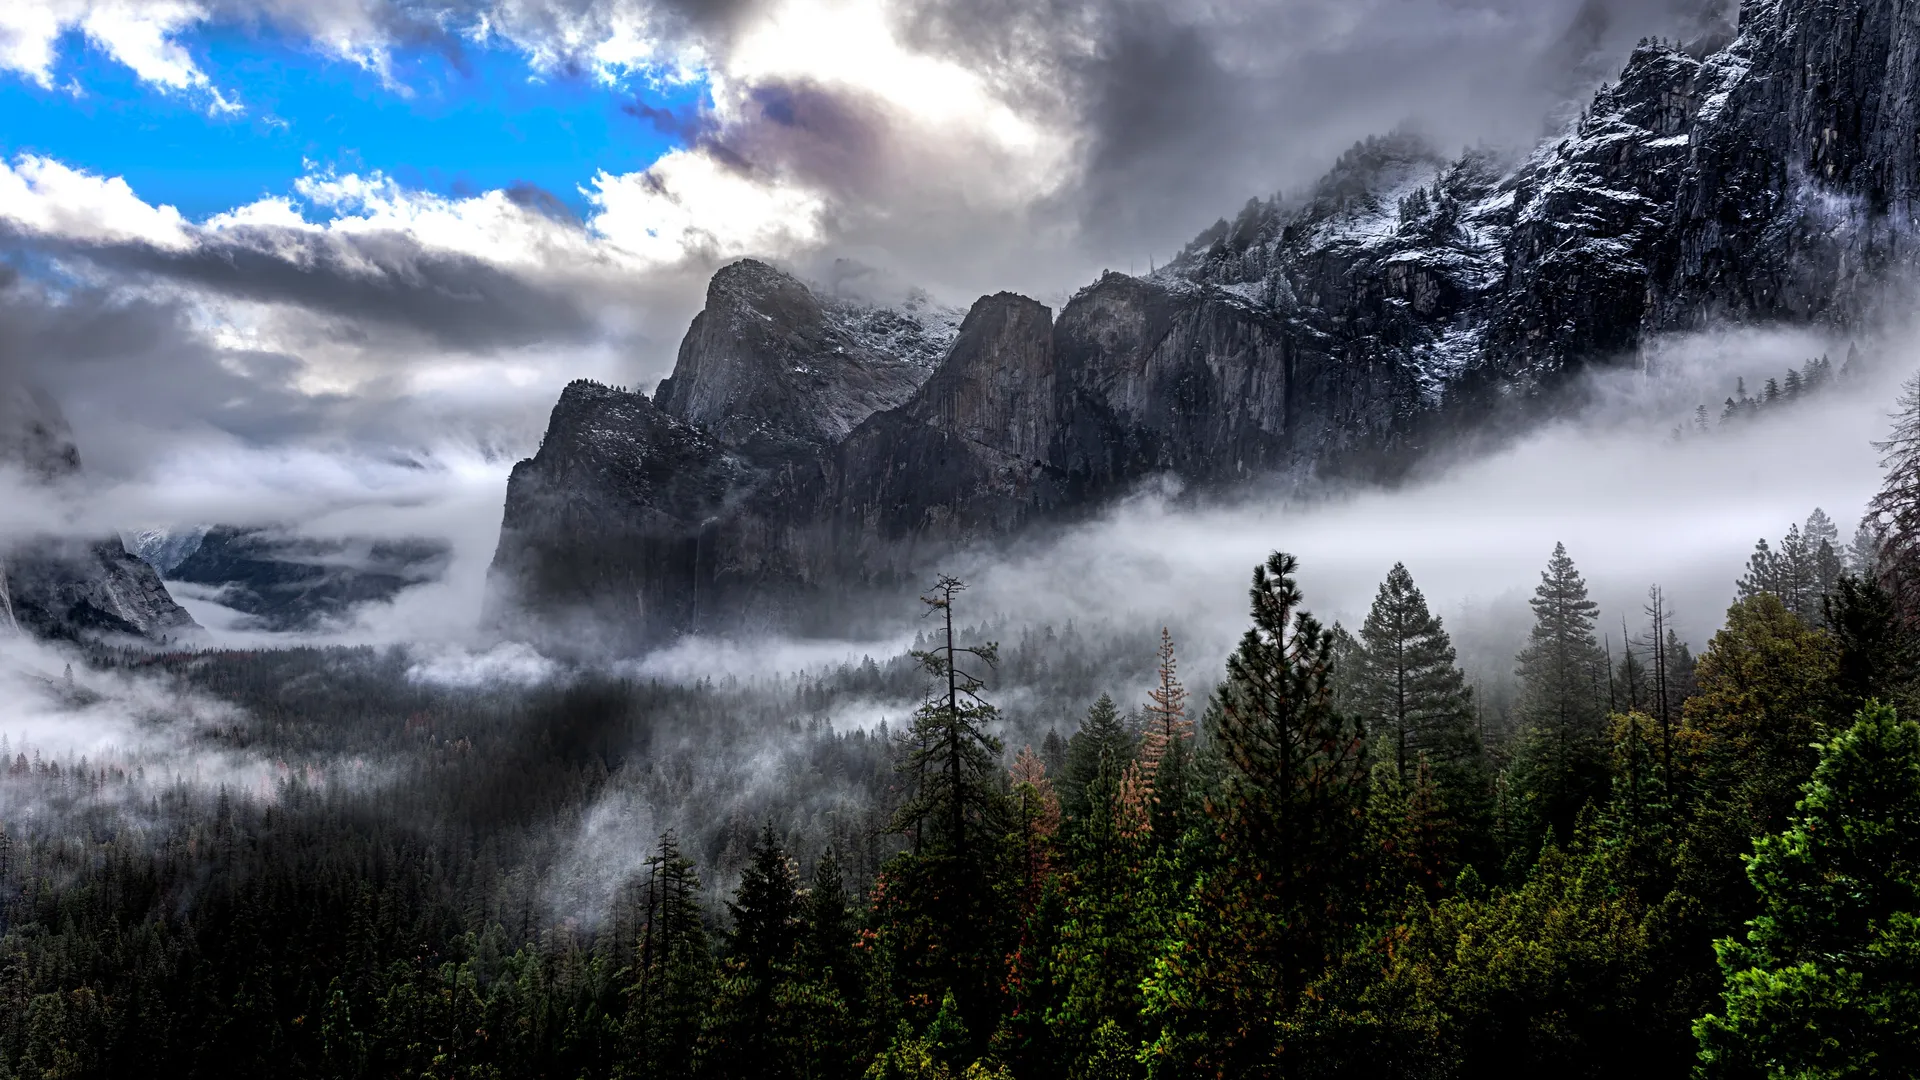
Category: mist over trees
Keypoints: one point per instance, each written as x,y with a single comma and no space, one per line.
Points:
1337,855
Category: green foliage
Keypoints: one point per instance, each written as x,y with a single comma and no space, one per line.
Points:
1273,903
1304,890
1560,765
1827,980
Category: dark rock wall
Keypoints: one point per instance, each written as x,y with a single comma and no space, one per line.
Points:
1407,298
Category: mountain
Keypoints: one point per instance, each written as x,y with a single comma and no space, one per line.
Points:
785,470
286,583
66,587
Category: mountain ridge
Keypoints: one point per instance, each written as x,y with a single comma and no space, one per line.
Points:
1411,296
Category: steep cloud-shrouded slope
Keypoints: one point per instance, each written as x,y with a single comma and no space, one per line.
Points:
59,586
1803,191
1408,296
773,370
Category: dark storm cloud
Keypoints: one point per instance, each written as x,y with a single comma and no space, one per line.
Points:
1187,109
367,280
126,369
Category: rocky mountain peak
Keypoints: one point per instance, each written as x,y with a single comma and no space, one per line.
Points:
996,386
62,586
774,371
1405,299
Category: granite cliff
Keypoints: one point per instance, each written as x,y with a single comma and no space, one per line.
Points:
790,463
61,586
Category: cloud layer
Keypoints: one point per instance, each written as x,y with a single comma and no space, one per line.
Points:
350,342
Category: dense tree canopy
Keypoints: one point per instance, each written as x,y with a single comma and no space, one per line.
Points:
1336,868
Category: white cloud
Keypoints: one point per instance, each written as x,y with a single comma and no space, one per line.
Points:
40,195
690,205
140,34
27,35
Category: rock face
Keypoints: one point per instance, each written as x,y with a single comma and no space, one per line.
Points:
63,587
285,583
773,371
789,463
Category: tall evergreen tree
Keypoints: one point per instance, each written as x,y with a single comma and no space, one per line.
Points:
1096,754
947,923
1166,746
673,975
1895,509
1874,653
1408,689
828,930
1562,759
750,1031
1766,694
1289,816
1827,982
954,756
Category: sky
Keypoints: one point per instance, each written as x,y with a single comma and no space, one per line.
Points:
326,264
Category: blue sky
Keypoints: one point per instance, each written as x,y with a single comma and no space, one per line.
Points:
476,121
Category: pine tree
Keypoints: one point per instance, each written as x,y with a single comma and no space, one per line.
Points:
1668,690
1874,653
1862,557
765,910
1100,749
953,761
1827,982
1288,815
750,1033
1765,694
827,930
1562,760
1408,689
1165,747
945,920
1764,573
1037,812
1167,721
1895,510
673,970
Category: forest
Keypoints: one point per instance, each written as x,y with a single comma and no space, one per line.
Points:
1325,860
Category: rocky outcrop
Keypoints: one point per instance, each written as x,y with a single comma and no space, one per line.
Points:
773,371
61,586
602,528
281,582
1408,297
1801,196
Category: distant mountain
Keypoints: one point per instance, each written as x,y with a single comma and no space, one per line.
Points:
285,583
61,586
786,467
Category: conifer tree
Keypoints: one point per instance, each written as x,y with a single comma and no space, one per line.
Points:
827,930
1100,749
1037,813
1765,694
1166,746
673,970
946,919
1895,509
751,1035
1874,653
953,759
1562,760
1167,721
765,910
1827,982
1408,689
1288,816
